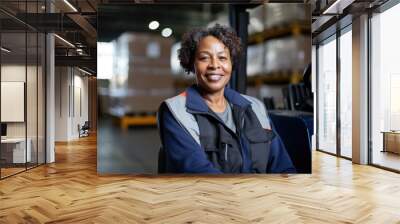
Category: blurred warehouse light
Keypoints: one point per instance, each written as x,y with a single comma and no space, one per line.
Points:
166,32
153,25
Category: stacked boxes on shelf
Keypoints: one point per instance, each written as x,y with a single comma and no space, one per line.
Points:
279,48
143,77
272,15
287,54
284,13
255,59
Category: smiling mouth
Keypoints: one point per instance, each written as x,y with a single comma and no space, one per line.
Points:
214,77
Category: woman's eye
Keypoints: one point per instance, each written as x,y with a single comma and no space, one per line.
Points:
222,58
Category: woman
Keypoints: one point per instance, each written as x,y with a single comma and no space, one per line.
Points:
211,128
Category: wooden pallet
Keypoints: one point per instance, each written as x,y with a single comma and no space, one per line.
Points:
137,120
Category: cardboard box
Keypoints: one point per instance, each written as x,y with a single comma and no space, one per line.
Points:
143,76
145,44
287,54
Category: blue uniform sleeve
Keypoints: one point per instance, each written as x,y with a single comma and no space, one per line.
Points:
183,153
279,160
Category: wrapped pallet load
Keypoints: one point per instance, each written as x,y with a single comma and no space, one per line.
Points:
143,74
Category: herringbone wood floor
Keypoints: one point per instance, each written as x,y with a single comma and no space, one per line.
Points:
70,191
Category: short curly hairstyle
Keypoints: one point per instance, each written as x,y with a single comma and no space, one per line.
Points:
192,38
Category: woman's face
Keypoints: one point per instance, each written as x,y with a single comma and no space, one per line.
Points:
212,64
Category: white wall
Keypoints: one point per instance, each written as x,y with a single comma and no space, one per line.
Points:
79,112
33,125
62,81
71,94
12,73
16,73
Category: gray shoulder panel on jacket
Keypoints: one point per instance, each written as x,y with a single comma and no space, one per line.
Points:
260,111
177,106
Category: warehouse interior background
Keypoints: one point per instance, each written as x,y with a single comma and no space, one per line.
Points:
139,68
98,62
81,81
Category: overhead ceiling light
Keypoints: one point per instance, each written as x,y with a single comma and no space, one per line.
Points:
65,41
70,5
166,32
338,6
79,50
153,25
5,49
84,71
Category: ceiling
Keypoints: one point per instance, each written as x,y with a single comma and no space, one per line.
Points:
114,20
84,22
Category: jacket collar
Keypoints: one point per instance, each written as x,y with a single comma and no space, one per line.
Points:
195,102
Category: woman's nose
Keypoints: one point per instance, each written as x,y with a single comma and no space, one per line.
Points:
214,63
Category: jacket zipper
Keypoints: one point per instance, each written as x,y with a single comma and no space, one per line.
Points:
226,152
237,134
240,141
